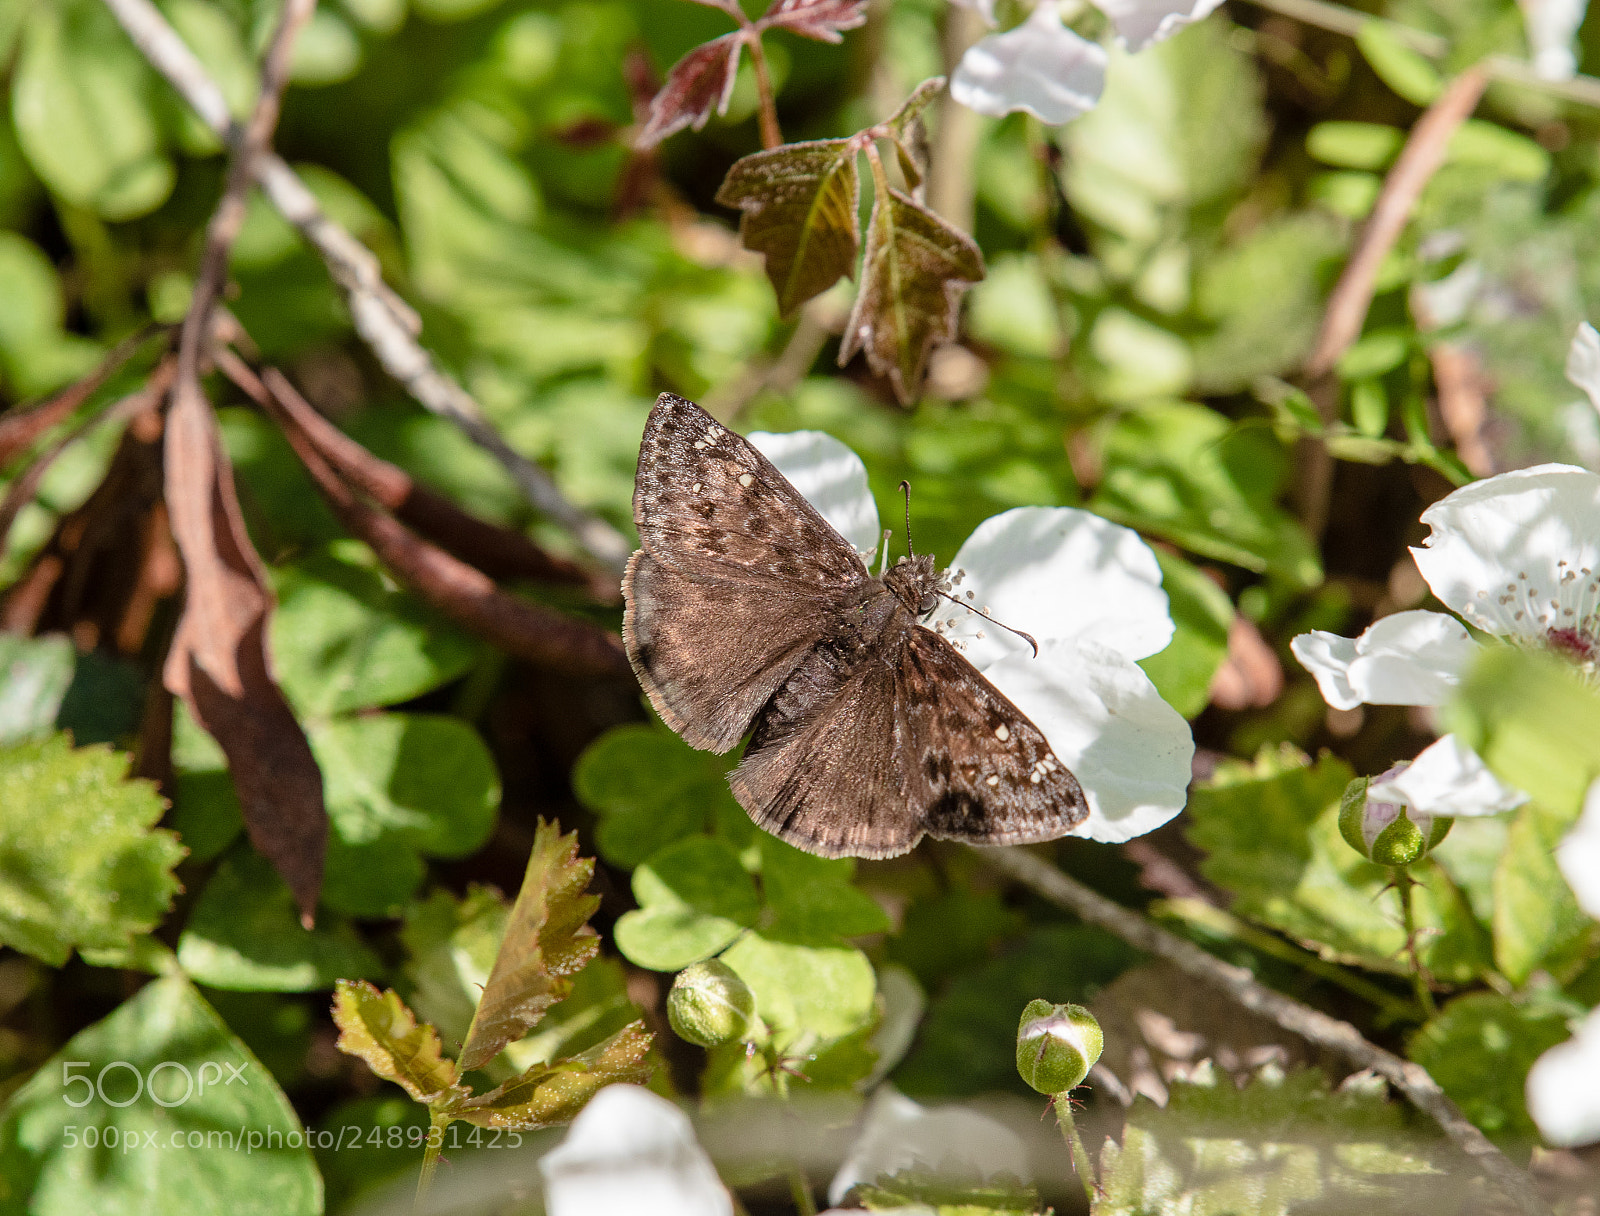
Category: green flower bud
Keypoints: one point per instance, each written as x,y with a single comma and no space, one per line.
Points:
1057,1045
710,1005
1389,833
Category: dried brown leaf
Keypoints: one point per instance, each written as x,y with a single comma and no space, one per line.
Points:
218,662
800,207
380,1029
698,83
547,941
824,20
914,272
555,1093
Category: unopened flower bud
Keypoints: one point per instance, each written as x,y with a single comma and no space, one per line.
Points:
710,1005
1387,832
1057,1045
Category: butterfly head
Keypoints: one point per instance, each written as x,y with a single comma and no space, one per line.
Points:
915,583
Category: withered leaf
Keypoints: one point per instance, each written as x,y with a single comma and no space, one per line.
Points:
700,81
555,1093
824,20
912,277
380,1029
799,203
218,661
910,134
547,940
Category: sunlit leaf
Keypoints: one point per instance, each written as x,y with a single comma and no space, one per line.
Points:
546,940
377,1027
800,203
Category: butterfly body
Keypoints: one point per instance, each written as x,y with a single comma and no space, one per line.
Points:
746,613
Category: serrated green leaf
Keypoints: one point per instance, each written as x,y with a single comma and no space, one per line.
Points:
913,273
34,676
345,638
222,1144
695,898
650,789
399,787
1479,1048
547,939
244,933
85,865
554,1093
799,206
1280,1145
378,1028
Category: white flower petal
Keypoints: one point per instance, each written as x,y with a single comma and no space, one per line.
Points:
1407,658
1128,748
1583,362
1141,22
1518,554
830,477
630,1151
1448,778
1057,572
897,1134
1579,854
1563,1089
1551,25
1040,66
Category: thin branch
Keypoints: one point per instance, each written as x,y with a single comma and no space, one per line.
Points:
385,322
1310,1024
1421,157
1340,20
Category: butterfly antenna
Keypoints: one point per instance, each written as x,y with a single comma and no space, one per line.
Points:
1026,637
905,488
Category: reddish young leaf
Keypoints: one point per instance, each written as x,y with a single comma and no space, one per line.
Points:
700,81
799,203
913,275
218,662
824,20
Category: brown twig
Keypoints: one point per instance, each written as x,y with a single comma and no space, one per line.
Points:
539,635
385,322
1421,157
20,429
1310,1024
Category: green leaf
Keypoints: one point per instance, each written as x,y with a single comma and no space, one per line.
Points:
547,938
221,1139
1405,71
1188,474
554,1093
1479,1048
650,788
811,898
808,995
399,787
85,865
968,1042
694,898
1280,1145
799,206
1202,615
244,933
34,676
1271,834
345,638
81,103
913,274
378,1028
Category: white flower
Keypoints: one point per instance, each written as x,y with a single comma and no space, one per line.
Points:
897,1134
1088,590
1551,25
1044,68
1516,556
630,1151
1563,1088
